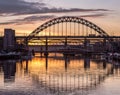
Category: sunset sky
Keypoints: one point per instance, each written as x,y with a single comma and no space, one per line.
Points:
26,15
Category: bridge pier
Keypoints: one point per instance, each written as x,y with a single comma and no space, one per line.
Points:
41,50
86,43
46,46
105,44
65,41
26,41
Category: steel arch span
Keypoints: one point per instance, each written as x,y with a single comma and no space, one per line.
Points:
67,19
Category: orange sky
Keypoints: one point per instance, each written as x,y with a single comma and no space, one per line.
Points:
24,21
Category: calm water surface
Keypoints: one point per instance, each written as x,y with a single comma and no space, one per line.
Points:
59,76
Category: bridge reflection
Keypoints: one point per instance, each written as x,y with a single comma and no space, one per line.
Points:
72,78
61,75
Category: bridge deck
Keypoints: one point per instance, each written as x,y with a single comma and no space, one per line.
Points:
70,37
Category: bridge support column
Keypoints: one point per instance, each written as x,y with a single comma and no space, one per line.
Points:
105,44
46,47
26,44
65,41
26,41
86,43
41,50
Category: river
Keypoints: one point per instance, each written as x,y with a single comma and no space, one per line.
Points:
57,75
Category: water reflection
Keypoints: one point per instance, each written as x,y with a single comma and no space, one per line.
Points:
86,62
56,75
9,69
71,80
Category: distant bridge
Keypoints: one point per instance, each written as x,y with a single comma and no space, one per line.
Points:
68,31
67,26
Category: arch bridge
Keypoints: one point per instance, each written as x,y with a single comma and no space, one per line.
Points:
67,32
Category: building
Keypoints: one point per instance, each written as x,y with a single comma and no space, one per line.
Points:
9,39
1,43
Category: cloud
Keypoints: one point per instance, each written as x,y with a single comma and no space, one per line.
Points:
28,20
33,19
95,15
20,7
61,10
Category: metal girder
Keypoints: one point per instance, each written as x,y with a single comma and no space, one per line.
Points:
67,19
